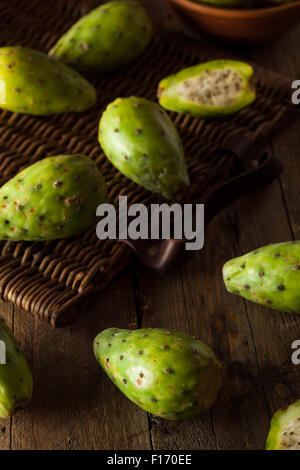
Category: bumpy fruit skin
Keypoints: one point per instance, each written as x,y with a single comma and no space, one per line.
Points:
169,97
228,3
141,141
284,432
269,276
166,373
109,37
54,198
32,83
16,382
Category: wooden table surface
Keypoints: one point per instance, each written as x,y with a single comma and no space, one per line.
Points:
75,406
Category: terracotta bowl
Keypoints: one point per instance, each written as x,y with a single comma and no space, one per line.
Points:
240,26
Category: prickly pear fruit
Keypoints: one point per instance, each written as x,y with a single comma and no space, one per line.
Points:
211,89
54,198
285,429
269,276
228,3
166,373
15,376
140,139
32,83
110,36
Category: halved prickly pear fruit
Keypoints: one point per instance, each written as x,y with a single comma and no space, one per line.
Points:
211,89
284,432
32,83
228,3
16,382
166,373
269,276
109,37
54,198
141,141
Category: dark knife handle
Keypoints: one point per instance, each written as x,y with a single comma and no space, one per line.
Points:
251,180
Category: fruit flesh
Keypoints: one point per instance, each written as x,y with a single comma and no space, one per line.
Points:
16,382
211,89
227,92
32,83
166,373
109,37
54,198
284,432
141,141
269,276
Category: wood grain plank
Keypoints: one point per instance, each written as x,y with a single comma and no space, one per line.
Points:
162,305
246,399
279,376
275,332
223,324
44,423
261,219
282,56
110,420
194,300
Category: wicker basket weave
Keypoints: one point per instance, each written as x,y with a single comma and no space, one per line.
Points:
50,279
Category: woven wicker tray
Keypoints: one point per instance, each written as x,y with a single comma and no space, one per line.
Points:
50,279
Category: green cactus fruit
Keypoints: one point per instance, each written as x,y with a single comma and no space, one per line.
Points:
54,198
166,373
269,276
139,139
109,37
285,429
15,376
211,89
238,4
32,83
